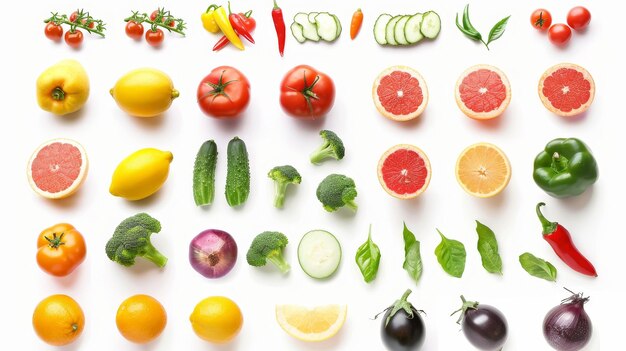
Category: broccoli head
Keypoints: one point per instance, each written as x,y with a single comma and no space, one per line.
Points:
268,246
331,148
132,238
283,176
336,191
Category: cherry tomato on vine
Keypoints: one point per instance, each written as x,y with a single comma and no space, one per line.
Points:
155,38
53,31
578,18
559,34
541,19
134,30
74,39
73,17
154,14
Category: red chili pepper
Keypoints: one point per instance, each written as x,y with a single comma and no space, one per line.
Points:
237,21
561,241
248,22
279,25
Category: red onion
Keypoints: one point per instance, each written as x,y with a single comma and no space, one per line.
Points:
567,327
213,253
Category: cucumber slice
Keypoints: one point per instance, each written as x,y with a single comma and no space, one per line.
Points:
338,25
389,30
398,31
296,31
380,28
326,26
431,25
312,16
319,254
309,30
412,31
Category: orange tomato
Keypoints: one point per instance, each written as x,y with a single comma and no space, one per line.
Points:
61,248
58,320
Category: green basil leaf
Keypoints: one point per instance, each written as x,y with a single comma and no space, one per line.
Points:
412,257
451,256
537,267
467,24
498,29
488,249
368,258
474,35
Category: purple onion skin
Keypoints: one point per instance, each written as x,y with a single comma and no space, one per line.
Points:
485,327
567,327
213,253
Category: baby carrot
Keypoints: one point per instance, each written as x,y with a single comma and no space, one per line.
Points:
355,25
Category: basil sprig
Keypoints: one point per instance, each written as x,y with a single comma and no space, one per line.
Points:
488,249
412,257
451,256
466,27
537,267
368,258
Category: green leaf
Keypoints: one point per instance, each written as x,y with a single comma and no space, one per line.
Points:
412,257
472,34
488,249
537,267
451,256
467,24
498,29
368,258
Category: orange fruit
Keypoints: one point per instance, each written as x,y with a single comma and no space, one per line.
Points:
482,92
483,170
58,320
216,319
141,319
312,325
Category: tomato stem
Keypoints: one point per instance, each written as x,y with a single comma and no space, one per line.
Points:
58,94
83,20
162,19
56,241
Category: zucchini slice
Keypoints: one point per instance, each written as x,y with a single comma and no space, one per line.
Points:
326,26
398,31
338,25
431,25
380,28
309,30
390,29
296,31
412,31
312,16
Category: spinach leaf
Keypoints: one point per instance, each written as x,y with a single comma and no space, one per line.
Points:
537,267
451,256
368,258
488,249
412,257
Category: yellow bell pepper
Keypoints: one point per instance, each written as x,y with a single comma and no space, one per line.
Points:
208,20
221,18
63,88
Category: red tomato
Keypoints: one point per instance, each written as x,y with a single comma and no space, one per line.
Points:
224,93
154,14
578,18
73,17
53,31
559,34
541,19
134,30
155,38
74,39
306,92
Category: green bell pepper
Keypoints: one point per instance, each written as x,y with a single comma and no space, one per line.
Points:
566,167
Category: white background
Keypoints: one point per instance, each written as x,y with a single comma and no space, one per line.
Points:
273,138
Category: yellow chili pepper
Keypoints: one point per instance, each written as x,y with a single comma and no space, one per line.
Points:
208,20
221,18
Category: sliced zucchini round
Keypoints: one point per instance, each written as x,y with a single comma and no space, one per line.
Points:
380,28
412,31
319,254
398,32
390,30
431,25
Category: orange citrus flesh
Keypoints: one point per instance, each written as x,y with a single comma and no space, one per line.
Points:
483,170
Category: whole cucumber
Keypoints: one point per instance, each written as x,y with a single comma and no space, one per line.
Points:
238,173
204,174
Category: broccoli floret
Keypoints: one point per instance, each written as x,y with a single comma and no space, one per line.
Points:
331,148
283,176
336,191
268,246
132,238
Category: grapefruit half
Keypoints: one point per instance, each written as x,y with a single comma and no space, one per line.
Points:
483,170
400,93
57,168
566,89
482,92
404,171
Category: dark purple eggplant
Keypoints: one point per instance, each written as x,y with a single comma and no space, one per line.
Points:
567,327
402,327
484,326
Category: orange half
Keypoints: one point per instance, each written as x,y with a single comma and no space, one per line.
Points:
483,170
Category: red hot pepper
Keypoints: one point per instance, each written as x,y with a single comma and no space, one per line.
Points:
561,241
237,21
279,25
248,22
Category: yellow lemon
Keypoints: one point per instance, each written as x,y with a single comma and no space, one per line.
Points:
312,325
216,319
144,92
141,174
63,88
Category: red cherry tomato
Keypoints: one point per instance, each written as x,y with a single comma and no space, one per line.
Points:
74,39
53,31
224,93
578,18
134,30
559,34
541,19
73,17
155,38
306,92
154,14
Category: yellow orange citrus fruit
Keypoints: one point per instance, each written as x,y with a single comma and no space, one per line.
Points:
317,324
141,174
144,92
483,170
141,319
58,320
216,319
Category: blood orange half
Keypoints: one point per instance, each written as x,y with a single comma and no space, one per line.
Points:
57,168
483,92
404,171
566,89
400,93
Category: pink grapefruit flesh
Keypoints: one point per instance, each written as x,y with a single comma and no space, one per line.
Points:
483,92
566,89
57,168
404,171
400,93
